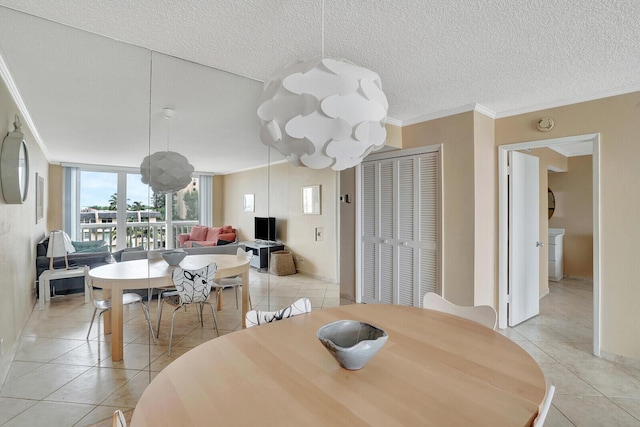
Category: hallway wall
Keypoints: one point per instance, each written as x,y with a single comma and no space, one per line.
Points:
573,191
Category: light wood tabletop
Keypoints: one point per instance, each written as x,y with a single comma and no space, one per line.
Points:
435,370
156,273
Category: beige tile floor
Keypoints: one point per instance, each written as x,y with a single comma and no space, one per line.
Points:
56,380
589,391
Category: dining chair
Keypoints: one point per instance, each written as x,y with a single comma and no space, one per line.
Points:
483,314
234,281
255,317
192,287
133,255
118,419
544,408
105,305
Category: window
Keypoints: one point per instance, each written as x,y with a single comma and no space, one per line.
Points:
115,206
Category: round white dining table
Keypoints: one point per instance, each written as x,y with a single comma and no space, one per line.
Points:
434,370
156,273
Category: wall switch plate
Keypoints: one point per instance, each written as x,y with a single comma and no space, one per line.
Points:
319,234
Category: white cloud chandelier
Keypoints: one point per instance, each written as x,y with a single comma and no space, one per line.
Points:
323,112
166,171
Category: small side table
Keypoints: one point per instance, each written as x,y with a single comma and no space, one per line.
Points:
48,275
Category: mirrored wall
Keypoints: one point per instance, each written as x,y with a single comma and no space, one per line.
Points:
100,107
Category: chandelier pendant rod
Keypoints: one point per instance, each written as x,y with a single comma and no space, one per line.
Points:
150,94
322,34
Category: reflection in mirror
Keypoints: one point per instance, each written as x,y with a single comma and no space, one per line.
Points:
98,106
551,202
311,200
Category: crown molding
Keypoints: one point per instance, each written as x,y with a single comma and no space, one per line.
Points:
17,98
392,121
569,101
444,113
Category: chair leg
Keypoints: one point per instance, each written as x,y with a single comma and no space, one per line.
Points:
236,287
215,320
160,304
91,324
99,332
173,318
199,313
145,310
159,313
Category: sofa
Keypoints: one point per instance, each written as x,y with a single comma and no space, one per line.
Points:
93,254
207,236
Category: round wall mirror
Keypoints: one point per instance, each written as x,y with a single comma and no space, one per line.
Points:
551,203
14,167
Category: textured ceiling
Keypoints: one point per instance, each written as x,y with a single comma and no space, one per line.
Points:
433,56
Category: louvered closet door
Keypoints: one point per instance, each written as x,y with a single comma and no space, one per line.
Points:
369,252
408,209
400,229
429,225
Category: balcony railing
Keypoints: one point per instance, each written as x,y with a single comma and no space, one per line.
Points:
148,235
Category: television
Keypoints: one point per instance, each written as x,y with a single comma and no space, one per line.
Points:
265,229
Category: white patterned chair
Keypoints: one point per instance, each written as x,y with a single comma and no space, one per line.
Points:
192,287
255,317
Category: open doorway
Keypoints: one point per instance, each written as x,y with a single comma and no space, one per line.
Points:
503,264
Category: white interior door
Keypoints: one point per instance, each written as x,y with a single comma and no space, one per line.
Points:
524,231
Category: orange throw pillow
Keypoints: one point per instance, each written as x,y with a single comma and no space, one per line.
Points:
212,234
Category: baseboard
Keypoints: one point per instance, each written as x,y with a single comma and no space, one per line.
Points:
580,279
623,360
7,356
316,276
348,297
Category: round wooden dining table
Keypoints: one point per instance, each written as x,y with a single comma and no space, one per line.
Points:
434,370
156,273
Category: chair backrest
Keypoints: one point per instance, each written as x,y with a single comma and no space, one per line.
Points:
255,318
157,254
132,255
483,314
241,252
118,419
544,408
194,285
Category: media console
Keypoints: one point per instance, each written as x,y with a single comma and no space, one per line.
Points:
261,251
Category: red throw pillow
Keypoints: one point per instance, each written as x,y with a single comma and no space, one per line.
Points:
198,233
227,236
227,229
212,234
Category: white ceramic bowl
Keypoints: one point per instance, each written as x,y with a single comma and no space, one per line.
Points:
352,343
173,257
